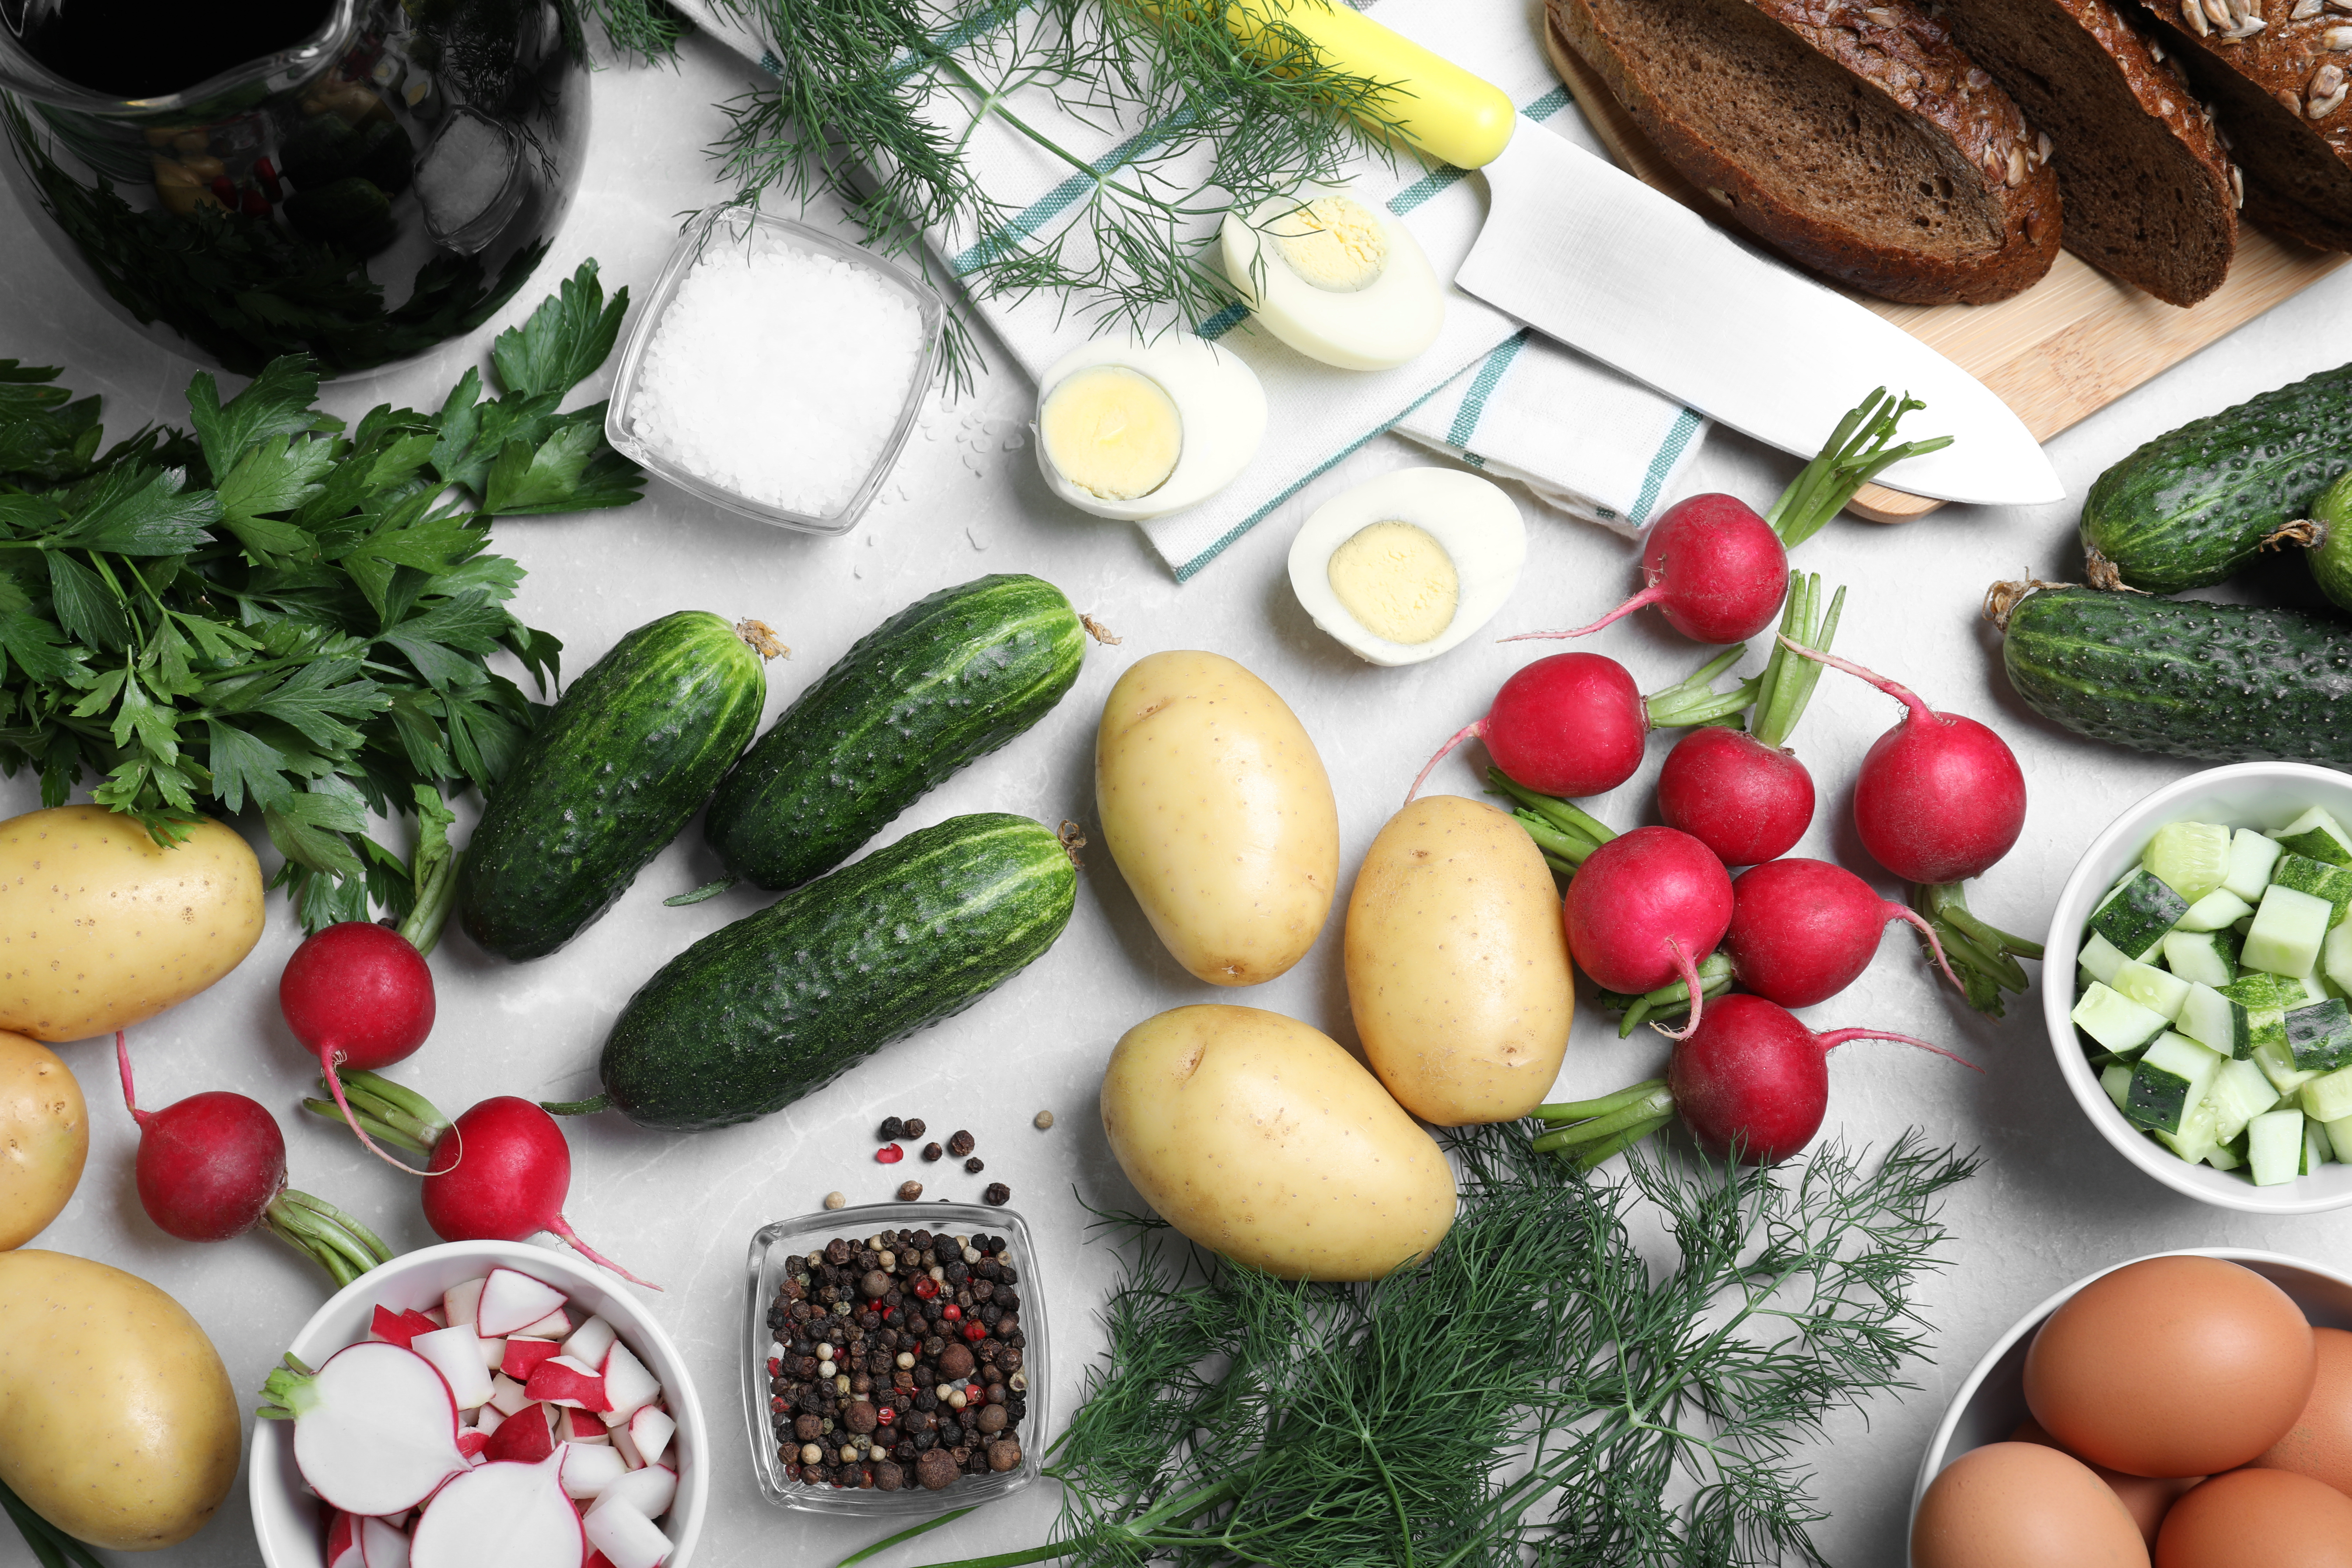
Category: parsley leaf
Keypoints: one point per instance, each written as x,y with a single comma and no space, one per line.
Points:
565,341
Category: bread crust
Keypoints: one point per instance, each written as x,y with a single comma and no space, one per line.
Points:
1896,50
2267,65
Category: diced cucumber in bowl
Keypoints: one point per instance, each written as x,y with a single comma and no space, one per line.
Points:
2201,957
2328,1097
2217,1023
2102,958
2275,1146
2217,910
2169,1082
2136,915
2190,858
2252,855
2158,990
2321,880
2288,931
2122,1026
2318,836
2239,1093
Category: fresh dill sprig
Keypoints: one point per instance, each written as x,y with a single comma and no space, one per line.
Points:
1538,1386
877,102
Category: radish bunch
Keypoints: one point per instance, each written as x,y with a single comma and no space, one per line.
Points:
213,1166
496,1427
499,1173
1749,1080
1715,569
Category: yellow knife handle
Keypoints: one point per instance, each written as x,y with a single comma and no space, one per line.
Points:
1452,115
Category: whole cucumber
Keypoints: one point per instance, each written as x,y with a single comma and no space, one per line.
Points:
780,1002
2192,507
612,773
2227,682
950,678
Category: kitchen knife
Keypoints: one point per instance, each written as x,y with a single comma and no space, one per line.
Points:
1584,252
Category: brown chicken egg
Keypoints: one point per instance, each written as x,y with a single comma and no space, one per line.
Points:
2258,1519
2143,1498
2172,1366
2319,1444
2021,1505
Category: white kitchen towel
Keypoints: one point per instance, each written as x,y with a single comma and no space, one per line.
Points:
1516,405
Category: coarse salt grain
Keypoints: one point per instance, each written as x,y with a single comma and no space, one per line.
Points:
778,373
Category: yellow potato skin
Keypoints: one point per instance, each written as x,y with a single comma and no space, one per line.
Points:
1220,815
102,928
1457,963
44,1138
117,1421
1262,1139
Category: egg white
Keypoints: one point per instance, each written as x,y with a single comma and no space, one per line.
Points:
1475,524
1218,401
1378,327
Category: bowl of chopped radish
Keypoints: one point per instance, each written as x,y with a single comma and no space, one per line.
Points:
2206,1032
480,1404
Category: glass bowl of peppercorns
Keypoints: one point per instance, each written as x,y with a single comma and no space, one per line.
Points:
895,1359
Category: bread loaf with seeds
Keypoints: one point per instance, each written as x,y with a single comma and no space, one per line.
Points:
2151,196
1858,140
2277,71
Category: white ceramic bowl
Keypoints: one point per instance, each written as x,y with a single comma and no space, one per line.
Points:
1991,1401
287,1518
2243,794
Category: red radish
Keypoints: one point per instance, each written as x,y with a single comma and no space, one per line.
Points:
559,1381
383,1545
511,1301
1643,909
1939,798
344,1549
523,1356
374,1428
213,1166
589,1342
1746,801
1752,1077
1803,930
1717,572
587,1468
456,1353
628,1387
461,1303
1574,724
399,1328
650,1490
473,1444
510,1184
625,1536
359,995
522,1438
650,1431
501,1515
581,1427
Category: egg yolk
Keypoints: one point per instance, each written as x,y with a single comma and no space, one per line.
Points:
1111,430
1397,581
1334,243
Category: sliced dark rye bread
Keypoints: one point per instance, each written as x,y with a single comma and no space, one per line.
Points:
2277,71
2146,181
1858,140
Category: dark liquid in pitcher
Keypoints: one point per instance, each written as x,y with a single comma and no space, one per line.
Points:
149,48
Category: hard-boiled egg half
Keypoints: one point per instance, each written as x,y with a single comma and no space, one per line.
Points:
1339,279
1403,567
1132,429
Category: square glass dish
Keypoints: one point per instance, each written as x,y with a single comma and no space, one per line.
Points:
777,1249
792,386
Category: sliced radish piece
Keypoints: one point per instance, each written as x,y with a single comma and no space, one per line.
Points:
374,1428
597,1559
456,1354
460,1303
522,1438
628,1387
556,1325
627,1536
385,1546
589,1469
344,1549
500,1516
472,1444
589,1342
523,1356
625,1448
650,1491
561,1380
488,1419
581,1426
388,1327
507,1396
512,1302
494,1353
650,1431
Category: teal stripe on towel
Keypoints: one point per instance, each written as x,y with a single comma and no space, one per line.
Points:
1473,402
1437,179
1678,435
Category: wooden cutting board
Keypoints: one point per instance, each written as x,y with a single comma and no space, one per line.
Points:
2065,348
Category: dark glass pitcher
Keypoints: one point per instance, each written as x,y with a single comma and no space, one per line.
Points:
356,180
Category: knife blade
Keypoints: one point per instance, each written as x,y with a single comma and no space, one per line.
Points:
1585,253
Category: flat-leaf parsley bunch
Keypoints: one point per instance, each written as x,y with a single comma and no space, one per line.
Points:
273,610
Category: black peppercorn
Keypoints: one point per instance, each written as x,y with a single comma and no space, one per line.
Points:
975,1166
915,1127
997,1195
960,1143
892,1130
931,1152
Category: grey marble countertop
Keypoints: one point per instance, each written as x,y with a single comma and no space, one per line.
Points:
2053,1203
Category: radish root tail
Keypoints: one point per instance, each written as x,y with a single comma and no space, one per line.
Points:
563,1227
1691,983
1475,729
129,1097
1649,595
1894,688
1934,944
1836,1037
331,1061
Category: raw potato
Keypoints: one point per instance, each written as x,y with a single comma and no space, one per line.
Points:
1262,1139
44,1138
117,1421
1457,963
1219,814
102,928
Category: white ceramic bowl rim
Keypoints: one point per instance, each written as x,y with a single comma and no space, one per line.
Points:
2329,1189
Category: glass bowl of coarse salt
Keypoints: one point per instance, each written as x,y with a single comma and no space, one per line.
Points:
776,370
